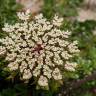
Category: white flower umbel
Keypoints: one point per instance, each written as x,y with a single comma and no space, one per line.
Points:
38,48
70,66
43,81
2,50
27,74
13,66
56,74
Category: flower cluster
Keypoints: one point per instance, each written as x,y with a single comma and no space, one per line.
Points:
38,48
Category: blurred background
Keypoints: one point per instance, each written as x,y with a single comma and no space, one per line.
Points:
79,17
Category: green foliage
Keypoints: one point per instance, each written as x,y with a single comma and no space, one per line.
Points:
8,9
83,33
17,90
65,8
8,92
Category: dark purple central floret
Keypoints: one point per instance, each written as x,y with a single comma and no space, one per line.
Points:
38,48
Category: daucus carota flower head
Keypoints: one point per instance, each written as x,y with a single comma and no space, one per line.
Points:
38,48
